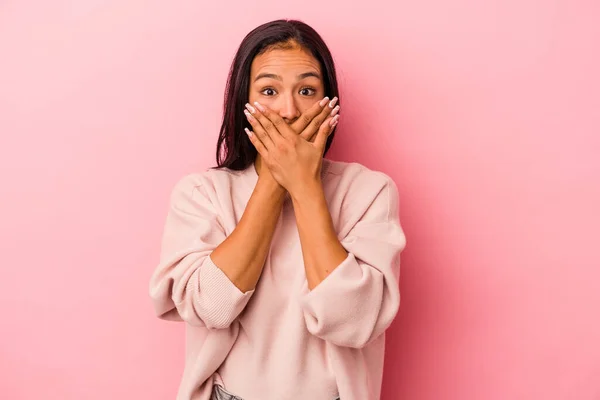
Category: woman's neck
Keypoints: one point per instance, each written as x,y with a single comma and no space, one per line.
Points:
257,164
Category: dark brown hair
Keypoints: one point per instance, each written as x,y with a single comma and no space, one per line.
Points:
234,149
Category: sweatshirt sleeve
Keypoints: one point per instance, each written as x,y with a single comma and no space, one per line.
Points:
358,301
187,285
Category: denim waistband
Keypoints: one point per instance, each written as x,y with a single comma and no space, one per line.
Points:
219,393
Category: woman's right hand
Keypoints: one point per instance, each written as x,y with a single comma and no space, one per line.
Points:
307,126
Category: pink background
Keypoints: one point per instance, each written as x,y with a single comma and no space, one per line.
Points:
486,113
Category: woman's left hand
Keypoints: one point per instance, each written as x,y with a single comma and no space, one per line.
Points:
293,161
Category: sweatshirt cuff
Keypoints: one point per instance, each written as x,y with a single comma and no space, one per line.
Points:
343,308
319,301
347,272
214,284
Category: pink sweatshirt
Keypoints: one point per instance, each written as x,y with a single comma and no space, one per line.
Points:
282,340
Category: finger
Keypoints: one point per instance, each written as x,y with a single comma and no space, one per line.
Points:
274,125
301,123
313,131
330,110
260,147
259,131
325,131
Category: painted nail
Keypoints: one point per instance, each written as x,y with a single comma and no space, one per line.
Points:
250,117
324,101
248,132
250,108
259,106
335,111
334,121
332,102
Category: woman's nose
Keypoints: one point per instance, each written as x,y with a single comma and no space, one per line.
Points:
289,111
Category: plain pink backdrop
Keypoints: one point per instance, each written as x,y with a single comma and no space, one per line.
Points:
486,114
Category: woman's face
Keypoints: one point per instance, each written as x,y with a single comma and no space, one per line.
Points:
287,81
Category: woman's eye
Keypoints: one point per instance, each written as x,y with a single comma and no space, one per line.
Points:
305,89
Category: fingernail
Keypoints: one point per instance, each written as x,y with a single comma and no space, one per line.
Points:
250,117
250,108
334,121
332,102
248,132
259,106
335,111
324,101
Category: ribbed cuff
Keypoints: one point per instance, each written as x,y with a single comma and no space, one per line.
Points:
225,299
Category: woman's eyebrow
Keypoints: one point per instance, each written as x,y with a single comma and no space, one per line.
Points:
274,76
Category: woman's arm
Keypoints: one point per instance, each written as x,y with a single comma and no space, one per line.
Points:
354,294
242,255
205,277
321,250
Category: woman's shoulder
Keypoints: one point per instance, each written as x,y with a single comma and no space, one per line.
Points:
356,188
356,175
206,180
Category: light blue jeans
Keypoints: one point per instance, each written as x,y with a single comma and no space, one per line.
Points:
219,393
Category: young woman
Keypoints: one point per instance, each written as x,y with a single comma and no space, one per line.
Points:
284,265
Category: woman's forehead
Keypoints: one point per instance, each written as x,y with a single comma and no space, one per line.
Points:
285,63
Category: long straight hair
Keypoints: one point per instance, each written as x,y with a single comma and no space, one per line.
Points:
234,149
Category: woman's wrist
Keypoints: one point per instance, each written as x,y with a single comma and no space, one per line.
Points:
309,189
271,187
